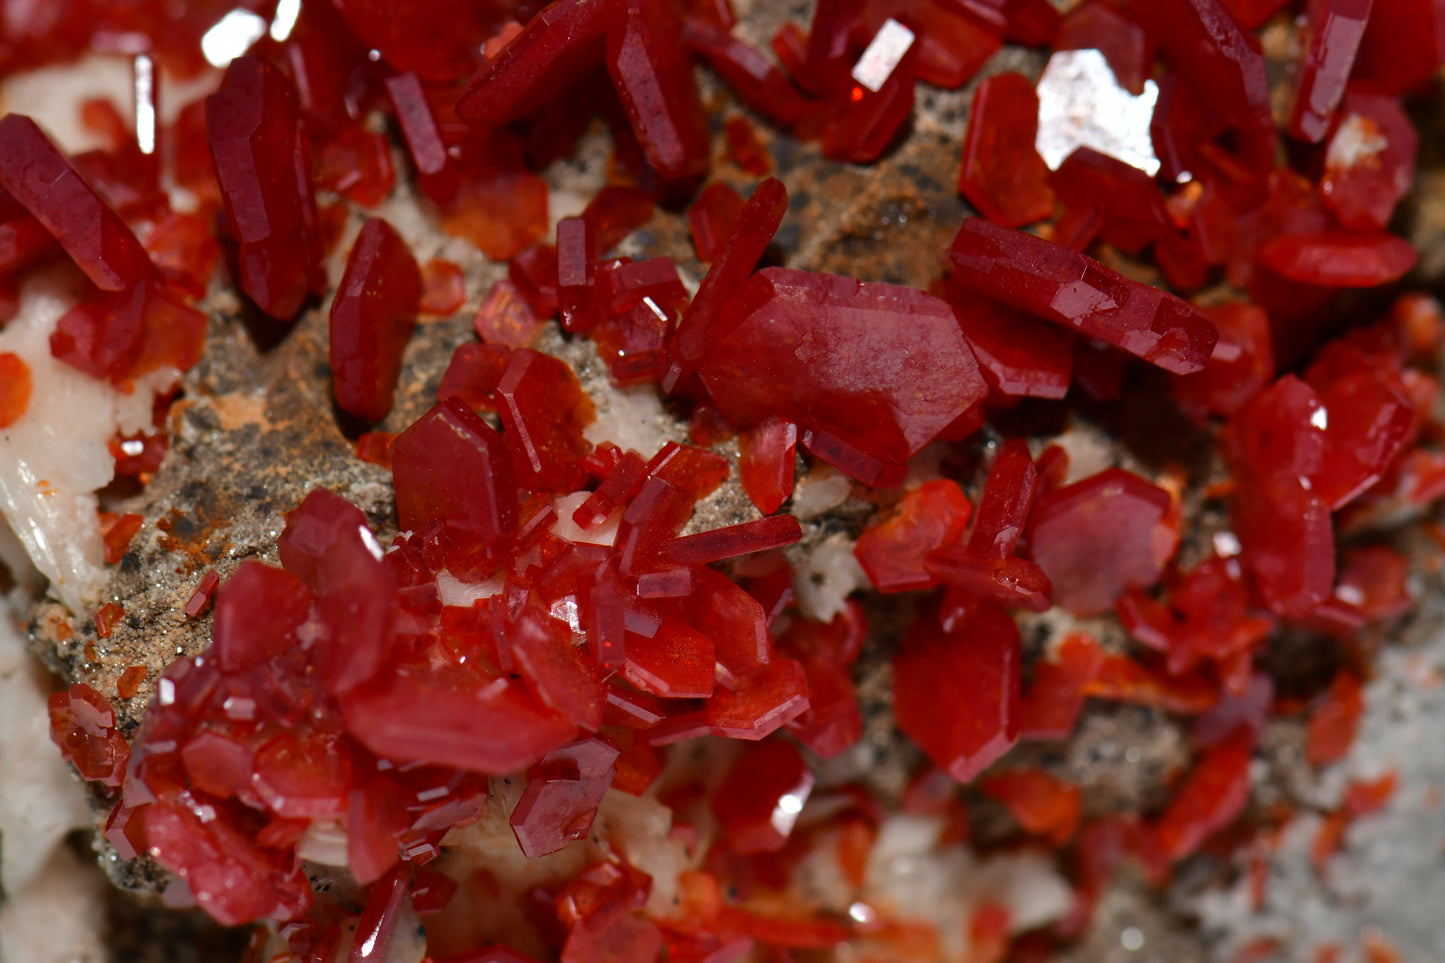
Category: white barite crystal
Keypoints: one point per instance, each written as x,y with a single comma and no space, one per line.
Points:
55,457
1082,105
42,800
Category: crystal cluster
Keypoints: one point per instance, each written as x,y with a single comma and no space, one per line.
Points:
552,611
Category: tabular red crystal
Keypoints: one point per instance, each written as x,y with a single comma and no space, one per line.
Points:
615,212
1050,706
676,663
766,456
107,617
499,205
303,776
576,272
1124,679
555,48
1015,582
863,123
1008,495
559,673
1019,356
1213,795
956,694
1128,201
1370,161
423,137
82,724
654,82
1332,34
1340,260
455,717
372,317
882,368
1404,44
563,792
761,703
544,410
201,597
756,224
258,147
712,218
233,879
758,802
775,531
1002,174
1041,803
1099,536
473,374
1241,365
258,612
1368,425
1103,27
1212,53
1332,727
952,42
745,148
505,318
40,178
451,468
892,549
752,76
1075,291
735,622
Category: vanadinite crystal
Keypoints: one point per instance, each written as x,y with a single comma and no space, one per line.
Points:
678,549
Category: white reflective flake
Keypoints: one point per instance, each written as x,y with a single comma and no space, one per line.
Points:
1082,105
232,36
883,55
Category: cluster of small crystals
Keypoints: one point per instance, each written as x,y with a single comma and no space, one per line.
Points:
352,688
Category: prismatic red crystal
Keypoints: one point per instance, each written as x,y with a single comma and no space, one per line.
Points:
1075,291
1210,798
1333,30
1103,27
767,454
956,693
46,184
1018,355
1002,174
563,792
258,148
1369,161
1043,805
1338,259
883,368
712,218
654,82
372,317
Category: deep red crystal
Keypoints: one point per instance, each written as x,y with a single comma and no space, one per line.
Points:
82,724
758,803
1002,174
372,317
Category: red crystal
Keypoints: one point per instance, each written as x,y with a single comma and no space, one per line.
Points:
1332,33
1050,706
1101,26
759,800
423,137
116,533
1332,727
258,147
505,318
1340,260
1075,291
1019,356
891,550
560,675
953,42
451,468
544,410
576,272
1100,536
776,531
956,693
201,597
563,792
736,623
1241,365
864,123
745,149
443,288
1043,805
40,178
1369,162
1211,52
713,217
615,212
676,662
372,317
16,385
82,724
766,457
761,702
453,716
881,368
1210,798
755,80
1002,175
1404,44
106,619
259,611
758,221
303,776
555,48
654,82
